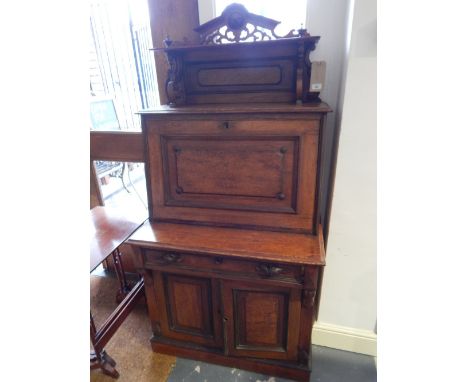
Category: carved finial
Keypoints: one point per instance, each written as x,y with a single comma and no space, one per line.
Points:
302,31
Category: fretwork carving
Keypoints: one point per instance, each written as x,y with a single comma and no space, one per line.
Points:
236,24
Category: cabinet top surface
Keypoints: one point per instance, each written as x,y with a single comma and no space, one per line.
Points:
242,243
240,108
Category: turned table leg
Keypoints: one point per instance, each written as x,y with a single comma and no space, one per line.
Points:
99,358
119,269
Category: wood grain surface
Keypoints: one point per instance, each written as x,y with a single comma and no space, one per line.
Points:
242,243
109,228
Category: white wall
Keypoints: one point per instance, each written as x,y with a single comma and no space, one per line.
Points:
206,10
329,20
349,286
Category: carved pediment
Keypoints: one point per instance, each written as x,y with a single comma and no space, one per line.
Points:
236,24
240,59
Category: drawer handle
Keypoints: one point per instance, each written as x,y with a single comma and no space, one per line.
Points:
170,258
268,270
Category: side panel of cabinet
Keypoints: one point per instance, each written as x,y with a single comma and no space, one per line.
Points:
261,321
188,308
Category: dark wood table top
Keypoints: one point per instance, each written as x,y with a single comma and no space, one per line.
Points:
110,227
242,243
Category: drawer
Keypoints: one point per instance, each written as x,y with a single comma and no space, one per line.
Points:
222,266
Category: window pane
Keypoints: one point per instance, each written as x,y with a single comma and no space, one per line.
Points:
123,185
291,13
122,69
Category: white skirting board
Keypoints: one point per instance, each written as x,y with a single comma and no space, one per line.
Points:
344,338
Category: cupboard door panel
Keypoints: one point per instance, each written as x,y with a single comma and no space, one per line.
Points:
190,310
189,305
261,321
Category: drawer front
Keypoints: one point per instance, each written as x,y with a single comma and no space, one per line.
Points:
223,266
257,172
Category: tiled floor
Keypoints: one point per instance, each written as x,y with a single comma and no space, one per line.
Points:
328,365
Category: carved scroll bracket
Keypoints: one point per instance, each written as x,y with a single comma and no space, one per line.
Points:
308,298
174,83
157,329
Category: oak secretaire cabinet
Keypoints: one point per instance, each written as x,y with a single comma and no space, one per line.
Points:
233,247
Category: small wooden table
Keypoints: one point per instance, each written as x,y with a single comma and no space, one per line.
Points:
109,229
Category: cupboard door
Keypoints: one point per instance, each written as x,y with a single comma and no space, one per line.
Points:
189,311
261,321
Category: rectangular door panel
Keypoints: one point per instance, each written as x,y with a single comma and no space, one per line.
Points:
248,173
189,305
261,321
188,309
